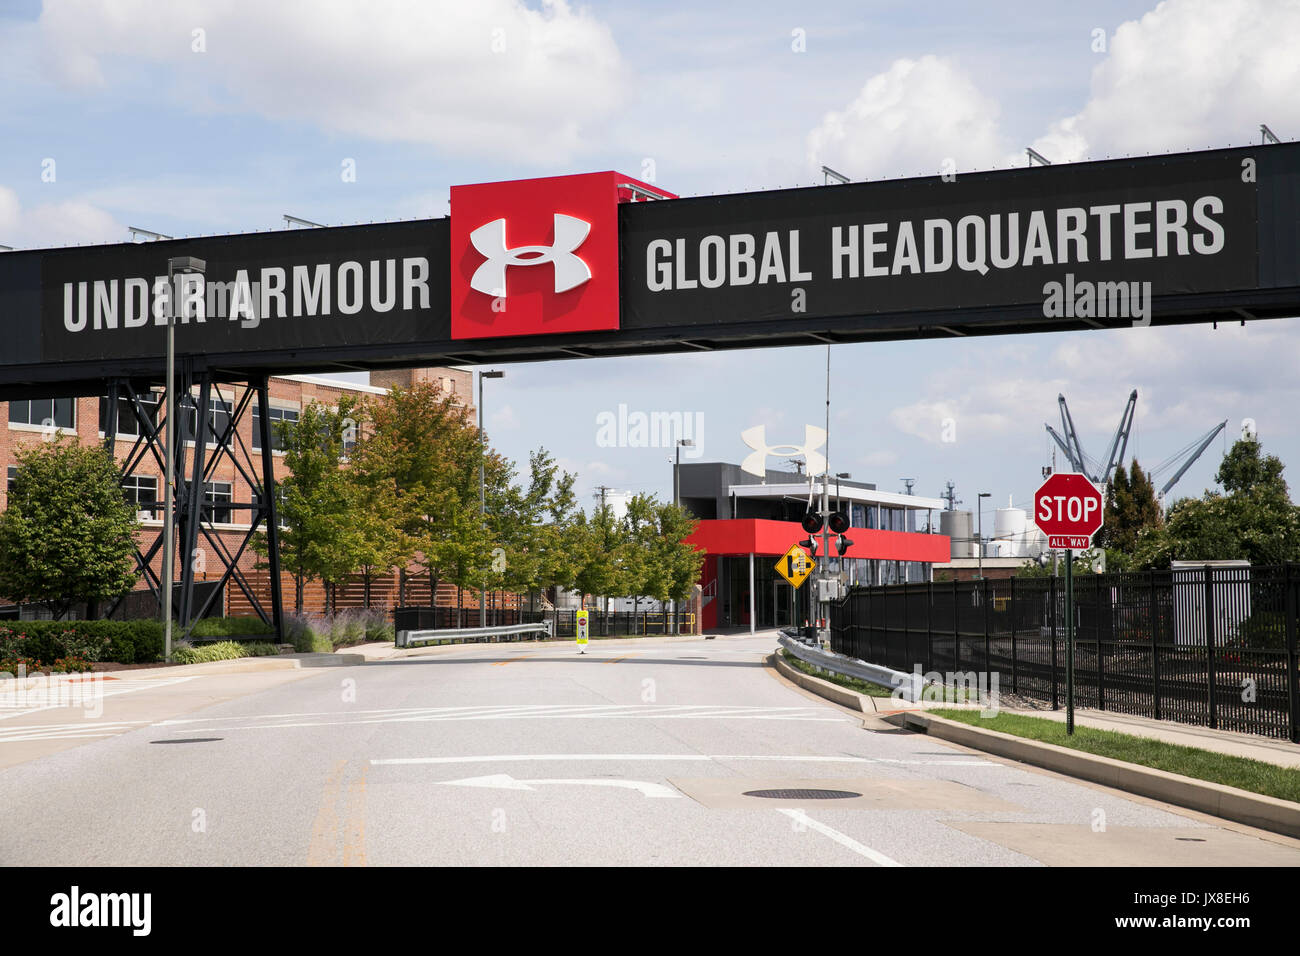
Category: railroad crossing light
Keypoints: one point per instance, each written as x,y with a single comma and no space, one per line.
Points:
839,522
812,522
843,544
810,544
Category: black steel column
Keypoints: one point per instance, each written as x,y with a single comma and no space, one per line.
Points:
270,511
110,418
194,507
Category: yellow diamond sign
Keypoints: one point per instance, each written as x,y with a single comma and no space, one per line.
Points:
795,565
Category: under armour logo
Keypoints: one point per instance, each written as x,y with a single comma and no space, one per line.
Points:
490,240
756,438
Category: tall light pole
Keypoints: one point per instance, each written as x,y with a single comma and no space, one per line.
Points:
979,518
677,500
182,265
677,466
482,493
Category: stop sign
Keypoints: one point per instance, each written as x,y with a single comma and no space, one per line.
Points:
1067,508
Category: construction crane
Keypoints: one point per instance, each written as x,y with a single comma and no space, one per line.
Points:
1193,450
1074,453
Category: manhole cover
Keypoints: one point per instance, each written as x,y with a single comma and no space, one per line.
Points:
803,794
188,740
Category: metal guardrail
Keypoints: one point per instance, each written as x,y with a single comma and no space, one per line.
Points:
908,685
463,635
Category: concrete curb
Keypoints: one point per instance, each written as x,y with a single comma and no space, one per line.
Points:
1216,799
851,699
241,665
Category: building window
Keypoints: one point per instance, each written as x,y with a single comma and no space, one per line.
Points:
274,415
217,497
127,423
279,501
141,491
218,418
11,479
59,412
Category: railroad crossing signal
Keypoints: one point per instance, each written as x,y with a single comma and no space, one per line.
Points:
795,565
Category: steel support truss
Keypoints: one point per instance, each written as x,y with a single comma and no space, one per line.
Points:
208,446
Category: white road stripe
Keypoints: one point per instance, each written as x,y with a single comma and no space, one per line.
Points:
845,841
613,758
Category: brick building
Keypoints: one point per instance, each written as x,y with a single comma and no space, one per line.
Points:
29,422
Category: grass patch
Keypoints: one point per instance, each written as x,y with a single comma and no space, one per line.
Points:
222,651
852,683
1253,775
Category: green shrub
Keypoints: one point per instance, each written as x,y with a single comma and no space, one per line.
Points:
347,628
308,635
379,626
186,653
122,642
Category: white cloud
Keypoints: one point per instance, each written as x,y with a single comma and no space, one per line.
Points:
1190,74
63,223
504,418
492,77
909,120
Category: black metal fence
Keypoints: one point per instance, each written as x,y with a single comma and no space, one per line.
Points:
1203,645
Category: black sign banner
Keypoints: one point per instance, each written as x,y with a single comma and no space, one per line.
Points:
1190,237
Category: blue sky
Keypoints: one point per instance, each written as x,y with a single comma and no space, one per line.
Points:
200,117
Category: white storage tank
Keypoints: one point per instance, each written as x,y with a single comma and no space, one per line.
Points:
1009,527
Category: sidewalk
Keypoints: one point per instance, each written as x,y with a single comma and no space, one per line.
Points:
1281,752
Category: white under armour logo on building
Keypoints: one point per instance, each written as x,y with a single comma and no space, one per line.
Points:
756,438
490,240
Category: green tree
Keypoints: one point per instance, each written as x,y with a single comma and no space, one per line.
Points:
1252,519
1131,508
68,534
535,523
600,542
424,450
324,513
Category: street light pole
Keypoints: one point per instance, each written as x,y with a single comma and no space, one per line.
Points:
677,500
482,492
184,265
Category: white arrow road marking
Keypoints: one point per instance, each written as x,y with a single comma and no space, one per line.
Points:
845,841
503,781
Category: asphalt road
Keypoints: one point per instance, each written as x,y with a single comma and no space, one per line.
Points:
637,753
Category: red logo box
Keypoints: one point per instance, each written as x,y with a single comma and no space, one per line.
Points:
514,244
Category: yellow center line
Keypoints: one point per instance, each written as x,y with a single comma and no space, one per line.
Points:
354,830
324,831
521,657
615,660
